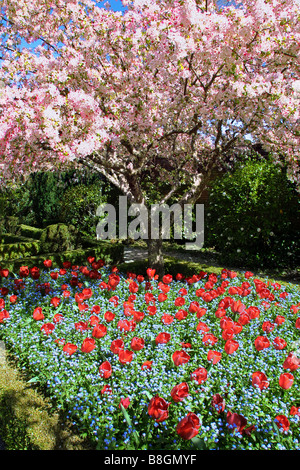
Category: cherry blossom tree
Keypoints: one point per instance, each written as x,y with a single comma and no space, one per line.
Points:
153,98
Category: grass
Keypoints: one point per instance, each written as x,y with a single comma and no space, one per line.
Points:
27,419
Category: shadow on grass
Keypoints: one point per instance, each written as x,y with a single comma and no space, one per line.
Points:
28,419
14,430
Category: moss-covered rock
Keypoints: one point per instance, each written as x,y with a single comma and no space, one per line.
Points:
57,238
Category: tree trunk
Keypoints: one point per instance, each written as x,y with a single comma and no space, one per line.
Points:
155,256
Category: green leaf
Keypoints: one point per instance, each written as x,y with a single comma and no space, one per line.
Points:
129,422
199,443
34,380
148,394
126,415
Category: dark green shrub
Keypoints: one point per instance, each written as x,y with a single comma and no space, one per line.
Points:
16,203
19,250
28,231
46,190
37,201
79,204
253,217
11,224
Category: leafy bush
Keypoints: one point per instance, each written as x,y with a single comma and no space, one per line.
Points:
37,202
79,204
253,216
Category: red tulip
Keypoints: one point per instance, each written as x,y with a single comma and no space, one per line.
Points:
199,375
125,356
179,302
125,402
202,327
167,319
226,322
137,344
24,271
106,389
261,342
4,272
236,421
210,339
244,319
180,391
260,380
147,365
295,410
238,307
162,297
81,326
181,314
286,380
279,319
253,312
47,263
167,278
162,338
117,345
99,331
180,357
228,333
158,409
150,273
291,362
55,301
201,312
47,328
105,370
267,326
88,345
109,316
282,422
69,348
218,403
214,356
152,309
194,307
58,317
3,315
35,272
231,346
38,314
279,343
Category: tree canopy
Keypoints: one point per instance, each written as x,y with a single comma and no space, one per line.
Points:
173,83
166,90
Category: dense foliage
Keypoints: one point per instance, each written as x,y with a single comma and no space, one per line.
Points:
46,198
253,218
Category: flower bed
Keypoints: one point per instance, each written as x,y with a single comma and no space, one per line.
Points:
208,361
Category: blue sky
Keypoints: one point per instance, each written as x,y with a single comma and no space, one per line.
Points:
116,5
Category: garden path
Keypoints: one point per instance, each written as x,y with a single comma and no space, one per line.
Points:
135,254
